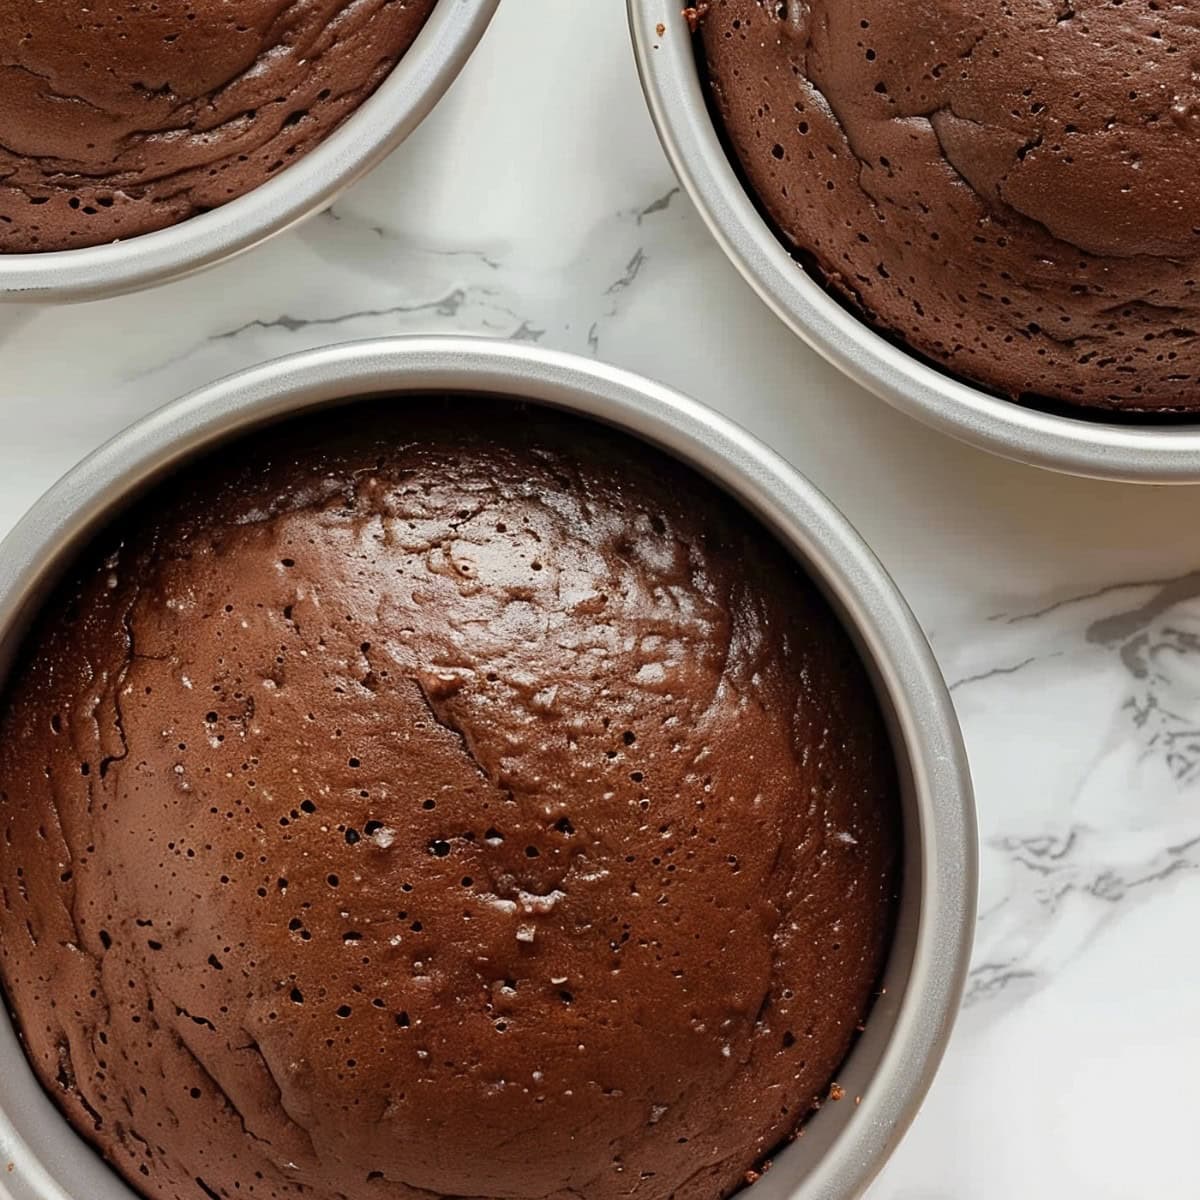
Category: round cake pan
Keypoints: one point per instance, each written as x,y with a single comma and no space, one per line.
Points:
379,125
893,1062
668,65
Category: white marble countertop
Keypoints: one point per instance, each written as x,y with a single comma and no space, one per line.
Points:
535,203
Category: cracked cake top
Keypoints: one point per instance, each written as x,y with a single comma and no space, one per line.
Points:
1008,188
120,117
458,800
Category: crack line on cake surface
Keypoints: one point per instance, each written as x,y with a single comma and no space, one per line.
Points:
215,1084
463,737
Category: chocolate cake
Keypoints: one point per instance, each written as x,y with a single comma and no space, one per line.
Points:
441,798
120,117
1007,188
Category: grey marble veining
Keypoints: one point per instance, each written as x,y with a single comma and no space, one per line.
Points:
1065,613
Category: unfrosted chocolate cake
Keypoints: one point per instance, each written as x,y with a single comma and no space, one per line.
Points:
1007,188
441,798
120,117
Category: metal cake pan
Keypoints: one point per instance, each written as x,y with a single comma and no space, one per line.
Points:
892,1064
378,126
1132,452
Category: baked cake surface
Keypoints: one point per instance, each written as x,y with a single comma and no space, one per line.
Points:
120,117
1009,188
441,798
